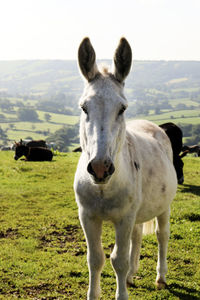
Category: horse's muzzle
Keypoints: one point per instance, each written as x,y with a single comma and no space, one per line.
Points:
101,170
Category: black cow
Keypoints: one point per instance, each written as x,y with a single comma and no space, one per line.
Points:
78,149
34,143
175,135
33,154
191,149
39,143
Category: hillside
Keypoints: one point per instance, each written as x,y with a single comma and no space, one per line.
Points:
160,91
41,77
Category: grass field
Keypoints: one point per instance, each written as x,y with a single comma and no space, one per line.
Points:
36,129
181,116
42,247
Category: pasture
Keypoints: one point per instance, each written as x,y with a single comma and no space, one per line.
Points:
42,246
37,130
181,116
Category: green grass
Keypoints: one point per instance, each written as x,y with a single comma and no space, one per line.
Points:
185,101
42,246
59,118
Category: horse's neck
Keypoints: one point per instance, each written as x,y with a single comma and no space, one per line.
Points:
123,163
26,150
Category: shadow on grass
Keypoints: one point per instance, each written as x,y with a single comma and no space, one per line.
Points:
183,292
189,188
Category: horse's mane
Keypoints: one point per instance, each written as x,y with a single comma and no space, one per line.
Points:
104,69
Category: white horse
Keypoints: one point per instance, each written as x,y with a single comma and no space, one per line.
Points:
125,173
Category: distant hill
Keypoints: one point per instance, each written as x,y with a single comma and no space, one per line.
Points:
40,77
161,91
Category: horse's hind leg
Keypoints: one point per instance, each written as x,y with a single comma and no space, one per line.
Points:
162,232
136,241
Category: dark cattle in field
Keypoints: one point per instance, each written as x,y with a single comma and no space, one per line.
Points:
39,143
175,135
78,149
190,149
6,148
34,143
33,154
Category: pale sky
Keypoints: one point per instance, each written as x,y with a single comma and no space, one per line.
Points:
53,29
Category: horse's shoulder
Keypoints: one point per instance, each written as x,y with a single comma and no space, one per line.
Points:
143,126
148,131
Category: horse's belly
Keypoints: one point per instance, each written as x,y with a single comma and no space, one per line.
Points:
156,199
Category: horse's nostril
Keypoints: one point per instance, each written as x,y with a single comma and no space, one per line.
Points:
90,170
111,169
100,170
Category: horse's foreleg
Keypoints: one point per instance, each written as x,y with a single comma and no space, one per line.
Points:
95,255
162,232
120,256
136,241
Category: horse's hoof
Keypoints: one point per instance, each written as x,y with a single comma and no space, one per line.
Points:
160,284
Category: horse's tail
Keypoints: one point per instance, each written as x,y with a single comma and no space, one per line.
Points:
149,227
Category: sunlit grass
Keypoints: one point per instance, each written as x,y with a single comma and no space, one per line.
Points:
42,246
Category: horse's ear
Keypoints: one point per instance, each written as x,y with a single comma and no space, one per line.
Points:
87,60
122,60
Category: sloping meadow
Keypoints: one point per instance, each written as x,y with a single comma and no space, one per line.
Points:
42,246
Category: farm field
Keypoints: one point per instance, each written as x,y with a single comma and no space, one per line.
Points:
37,130
42,246
181,116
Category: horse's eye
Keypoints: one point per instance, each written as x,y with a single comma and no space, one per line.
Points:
84,109
122,110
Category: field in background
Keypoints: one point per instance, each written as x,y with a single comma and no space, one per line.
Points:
42,246
36,130
16,130
186,116
182,116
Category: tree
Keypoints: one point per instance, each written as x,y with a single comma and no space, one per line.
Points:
11,126
157,110
64,137
2,117
47,117
6,105
27,114
3,135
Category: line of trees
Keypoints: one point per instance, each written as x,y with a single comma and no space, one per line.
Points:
65,137
192,132
27,114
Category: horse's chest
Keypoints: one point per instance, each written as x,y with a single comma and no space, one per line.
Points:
105,204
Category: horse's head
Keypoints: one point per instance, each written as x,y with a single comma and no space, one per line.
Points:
102,126
20,150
